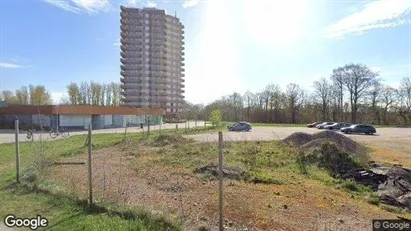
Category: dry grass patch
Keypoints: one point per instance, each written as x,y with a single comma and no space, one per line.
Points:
163,179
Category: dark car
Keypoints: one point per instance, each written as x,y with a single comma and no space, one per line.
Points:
359,128
321,126
337,126
313,124
240,126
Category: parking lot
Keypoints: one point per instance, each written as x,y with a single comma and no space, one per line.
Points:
276,133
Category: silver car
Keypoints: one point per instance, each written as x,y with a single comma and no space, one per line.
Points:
337,126
321,126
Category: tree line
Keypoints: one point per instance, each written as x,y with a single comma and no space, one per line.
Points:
28,95
85,93
352,93
93,93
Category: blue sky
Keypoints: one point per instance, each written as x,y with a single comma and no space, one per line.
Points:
230,46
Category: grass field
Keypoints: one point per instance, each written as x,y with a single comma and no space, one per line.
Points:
61,209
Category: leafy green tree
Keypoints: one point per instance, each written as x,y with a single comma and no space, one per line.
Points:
215,118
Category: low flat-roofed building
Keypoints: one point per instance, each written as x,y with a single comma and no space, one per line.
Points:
78,117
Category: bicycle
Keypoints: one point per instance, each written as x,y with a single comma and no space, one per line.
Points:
30,134
62,132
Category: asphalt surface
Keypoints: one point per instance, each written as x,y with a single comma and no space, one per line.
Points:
8,136
277,133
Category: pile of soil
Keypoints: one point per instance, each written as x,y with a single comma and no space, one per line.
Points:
307,141
166,139
234,173
298,139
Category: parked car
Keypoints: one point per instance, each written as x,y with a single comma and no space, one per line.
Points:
359,128
337,126
321,126
312,125
240,126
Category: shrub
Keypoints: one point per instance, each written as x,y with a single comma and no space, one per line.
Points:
332,158
215,118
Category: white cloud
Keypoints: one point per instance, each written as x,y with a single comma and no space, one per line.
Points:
117,44
79,6
63,5
92,6
190,3
372,15
10,65
151,4
131,2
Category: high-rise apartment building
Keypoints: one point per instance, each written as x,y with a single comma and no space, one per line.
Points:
152,59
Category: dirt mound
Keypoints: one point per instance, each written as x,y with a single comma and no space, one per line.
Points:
234,173
298,138
307,141
166,139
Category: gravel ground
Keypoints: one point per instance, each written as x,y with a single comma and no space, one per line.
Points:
277,133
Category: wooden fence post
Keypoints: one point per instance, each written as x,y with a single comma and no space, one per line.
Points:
90,184
125,131
16,127
148,127
220,180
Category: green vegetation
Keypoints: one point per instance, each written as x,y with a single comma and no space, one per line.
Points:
215,118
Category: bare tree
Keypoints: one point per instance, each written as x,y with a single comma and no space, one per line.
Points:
8,96
337,77
95,89
322,89
65,100
22,95
248,97
32,93
84,93
375,98
103,94
115,89
404,94
294,95
109,94
358,78
274,101
387,99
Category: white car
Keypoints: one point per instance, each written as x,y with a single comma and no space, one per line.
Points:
321,126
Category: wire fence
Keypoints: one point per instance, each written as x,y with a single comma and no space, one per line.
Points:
96,177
